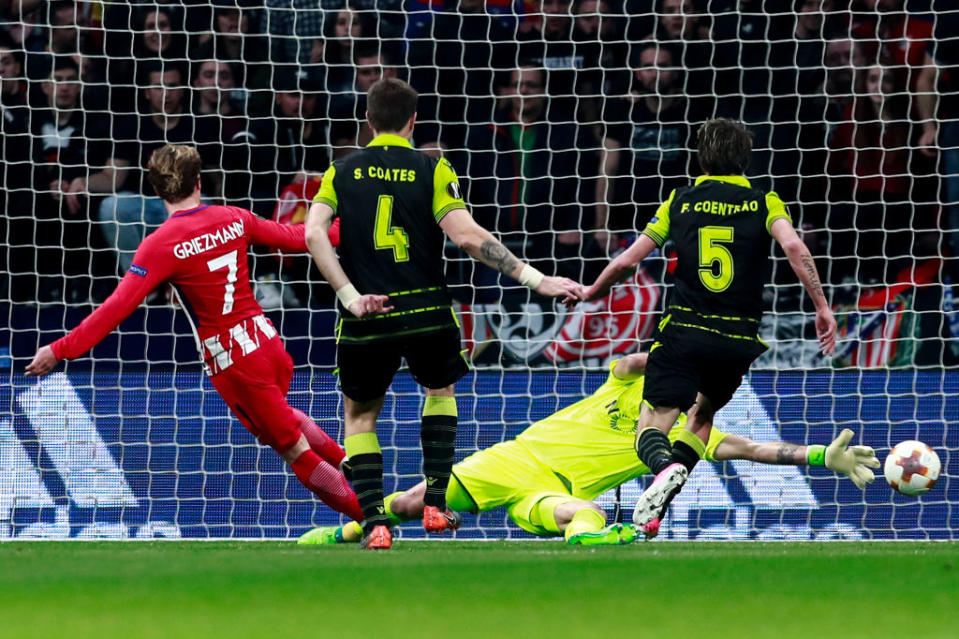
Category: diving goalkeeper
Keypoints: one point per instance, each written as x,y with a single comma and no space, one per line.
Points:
548,476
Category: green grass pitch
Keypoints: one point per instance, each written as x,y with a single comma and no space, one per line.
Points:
479,589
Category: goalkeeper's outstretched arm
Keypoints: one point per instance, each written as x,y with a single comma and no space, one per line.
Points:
852,461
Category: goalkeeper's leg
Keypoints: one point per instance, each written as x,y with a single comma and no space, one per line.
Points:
581,522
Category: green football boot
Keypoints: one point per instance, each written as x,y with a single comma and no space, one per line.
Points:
613,535
322,535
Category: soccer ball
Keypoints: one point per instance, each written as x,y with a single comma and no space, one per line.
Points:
912,468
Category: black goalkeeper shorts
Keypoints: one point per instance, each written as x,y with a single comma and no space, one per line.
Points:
686,361
367,368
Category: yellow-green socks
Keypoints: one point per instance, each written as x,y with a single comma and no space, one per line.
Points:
366,462
438,437
584,520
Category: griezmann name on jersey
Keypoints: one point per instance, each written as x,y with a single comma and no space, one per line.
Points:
202,252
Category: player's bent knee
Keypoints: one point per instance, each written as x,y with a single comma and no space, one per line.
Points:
445,391
565,512
291,453
409,505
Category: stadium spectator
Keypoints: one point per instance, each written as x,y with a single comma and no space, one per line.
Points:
27,32
574,75
14,89
796,68
157,34
62,37
876,171
895,37
343,29
220,120
74,161
245,52
19,8
842,57
744,40
130,214
16,201
947,57
527,177
348,127
481,47
595,28
647,145
680,24
281,148
292,27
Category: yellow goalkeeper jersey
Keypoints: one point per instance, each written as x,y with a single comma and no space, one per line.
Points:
590,443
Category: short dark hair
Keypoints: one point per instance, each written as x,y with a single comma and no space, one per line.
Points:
368,48
157,66
724,147
62,62
390,104
641,47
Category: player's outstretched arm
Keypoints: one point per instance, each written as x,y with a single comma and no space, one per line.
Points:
480,244
621,267
148,273
805,269
852,461
318,242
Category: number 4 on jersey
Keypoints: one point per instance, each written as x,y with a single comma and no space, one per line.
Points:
390,237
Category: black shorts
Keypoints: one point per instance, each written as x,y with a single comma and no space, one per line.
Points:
687,361
367,368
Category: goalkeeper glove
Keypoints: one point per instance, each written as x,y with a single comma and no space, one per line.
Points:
852,461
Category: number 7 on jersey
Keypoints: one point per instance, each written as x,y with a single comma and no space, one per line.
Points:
228,261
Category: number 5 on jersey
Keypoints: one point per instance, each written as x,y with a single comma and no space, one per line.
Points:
390,237
711,252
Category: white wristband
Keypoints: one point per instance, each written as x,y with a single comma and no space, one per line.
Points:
347,295
530,277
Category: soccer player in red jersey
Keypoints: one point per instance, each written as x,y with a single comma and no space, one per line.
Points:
202,251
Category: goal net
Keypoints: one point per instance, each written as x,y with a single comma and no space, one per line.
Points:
568,123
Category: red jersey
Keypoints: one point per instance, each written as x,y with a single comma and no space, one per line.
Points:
906,41
202,252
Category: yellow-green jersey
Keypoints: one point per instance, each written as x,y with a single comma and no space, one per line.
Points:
720,227
589,444
390,199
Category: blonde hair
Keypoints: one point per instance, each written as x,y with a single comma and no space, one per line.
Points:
174,171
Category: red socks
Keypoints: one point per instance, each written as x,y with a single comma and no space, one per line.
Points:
326,482
319,441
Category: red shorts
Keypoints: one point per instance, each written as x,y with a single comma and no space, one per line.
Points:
255,388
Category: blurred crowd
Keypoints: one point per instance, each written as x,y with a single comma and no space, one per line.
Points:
568,121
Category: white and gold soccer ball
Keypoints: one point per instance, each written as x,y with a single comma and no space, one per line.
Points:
912,468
